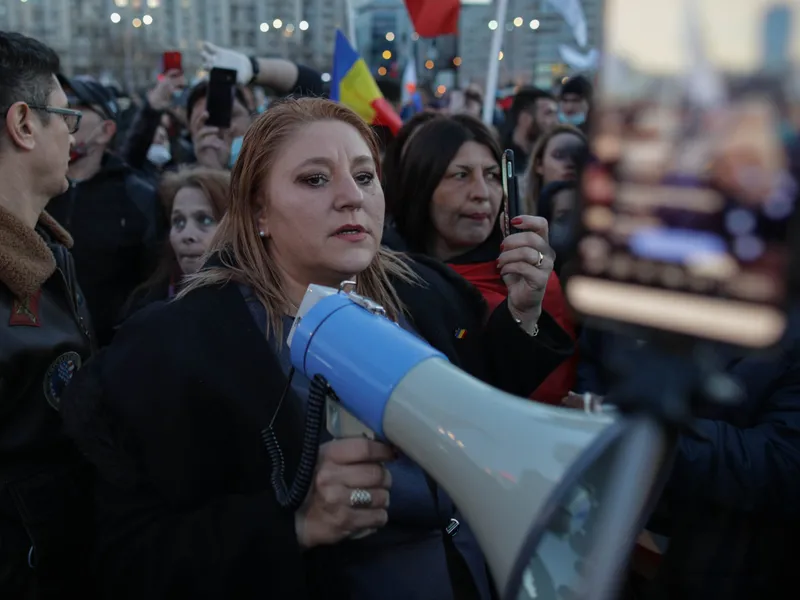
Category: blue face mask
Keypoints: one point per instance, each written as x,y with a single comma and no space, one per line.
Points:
236,148
576,120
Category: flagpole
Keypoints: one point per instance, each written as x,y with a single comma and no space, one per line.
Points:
494,64
351,23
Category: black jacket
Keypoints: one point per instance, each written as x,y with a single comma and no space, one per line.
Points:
731,506
44,485
171,415
117,223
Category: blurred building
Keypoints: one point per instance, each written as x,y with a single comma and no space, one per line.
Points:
123,40
533,32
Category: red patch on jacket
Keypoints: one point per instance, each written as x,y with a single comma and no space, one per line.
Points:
25,312
486,278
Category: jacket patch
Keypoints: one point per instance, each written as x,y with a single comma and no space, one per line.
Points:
25,312
58,375
460,334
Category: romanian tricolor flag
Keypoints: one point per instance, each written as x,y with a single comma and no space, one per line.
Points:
353,85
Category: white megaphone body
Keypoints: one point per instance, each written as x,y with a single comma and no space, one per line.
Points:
528,478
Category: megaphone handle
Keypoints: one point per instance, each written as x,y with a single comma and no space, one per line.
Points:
637,467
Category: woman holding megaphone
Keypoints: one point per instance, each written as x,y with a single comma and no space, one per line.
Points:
174,413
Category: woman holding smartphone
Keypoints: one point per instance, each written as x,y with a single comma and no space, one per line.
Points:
444,193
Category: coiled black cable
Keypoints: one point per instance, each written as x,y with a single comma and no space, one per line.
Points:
292,498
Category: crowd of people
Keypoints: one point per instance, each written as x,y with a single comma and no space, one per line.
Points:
150,269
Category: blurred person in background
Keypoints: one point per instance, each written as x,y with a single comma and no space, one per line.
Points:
111,211
306,207
445,197
574,102
557,156
195,199
558,203
147,146
533,113
45,498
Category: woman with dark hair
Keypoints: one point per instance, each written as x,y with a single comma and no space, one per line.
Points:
195,199
444,195
557,156
173,414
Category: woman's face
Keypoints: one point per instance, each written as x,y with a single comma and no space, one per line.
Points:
466,202
193,226
322,212
558,162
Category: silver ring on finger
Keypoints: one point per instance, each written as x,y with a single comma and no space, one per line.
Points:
541,259
360,498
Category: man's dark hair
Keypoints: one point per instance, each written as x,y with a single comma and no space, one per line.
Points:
27,67
201,91
526,98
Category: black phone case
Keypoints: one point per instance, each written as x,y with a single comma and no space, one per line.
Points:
219,101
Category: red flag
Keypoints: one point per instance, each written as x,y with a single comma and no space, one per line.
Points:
432,18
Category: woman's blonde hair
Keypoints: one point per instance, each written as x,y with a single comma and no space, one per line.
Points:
533,181
243,253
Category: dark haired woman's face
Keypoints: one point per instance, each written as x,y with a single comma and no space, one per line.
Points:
558,162
466,202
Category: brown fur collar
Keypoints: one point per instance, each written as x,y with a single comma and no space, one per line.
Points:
25,260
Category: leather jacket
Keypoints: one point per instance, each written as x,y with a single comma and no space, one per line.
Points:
45,501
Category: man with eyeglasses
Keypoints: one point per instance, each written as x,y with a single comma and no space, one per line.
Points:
111,210
45,336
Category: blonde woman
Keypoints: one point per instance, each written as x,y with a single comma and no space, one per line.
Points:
173,414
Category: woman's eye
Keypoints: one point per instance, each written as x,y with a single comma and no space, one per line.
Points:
493,176
207,221
365,178
460,175
179,223
315,180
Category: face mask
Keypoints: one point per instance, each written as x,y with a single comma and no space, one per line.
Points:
576,120
159,155
236,148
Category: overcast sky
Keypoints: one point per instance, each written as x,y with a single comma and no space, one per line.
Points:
649,33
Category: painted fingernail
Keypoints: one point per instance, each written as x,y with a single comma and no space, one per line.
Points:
516,221
502,246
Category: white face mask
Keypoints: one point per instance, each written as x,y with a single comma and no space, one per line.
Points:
159,155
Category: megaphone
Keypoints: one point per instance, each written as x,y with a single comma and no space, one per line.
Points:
530,479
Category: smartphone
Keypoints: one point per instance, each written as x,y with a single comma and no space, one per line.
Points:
219,101
171,61
687,207
511,201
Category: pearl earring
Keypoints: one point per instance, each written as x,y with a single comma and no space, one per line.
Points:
262,234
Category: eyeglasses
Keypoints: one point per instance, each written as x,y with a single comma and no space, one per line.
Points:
71,117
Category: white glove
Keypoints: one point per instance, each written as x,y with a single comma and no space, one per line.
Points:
222,58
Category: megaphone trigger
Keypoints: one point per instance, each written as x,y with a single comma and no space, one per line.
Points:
342,424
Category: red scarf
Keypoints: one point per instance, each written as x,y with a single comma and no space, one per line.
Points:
486,278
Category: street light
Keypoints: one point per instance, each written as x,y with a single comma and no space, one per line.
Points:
137,22
535,24
147,20
457,61
290,28
518,22
387,54
390,37
277,23
381,71
429,64
492,24
326,77
303,25
115,18
500,55
264,27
